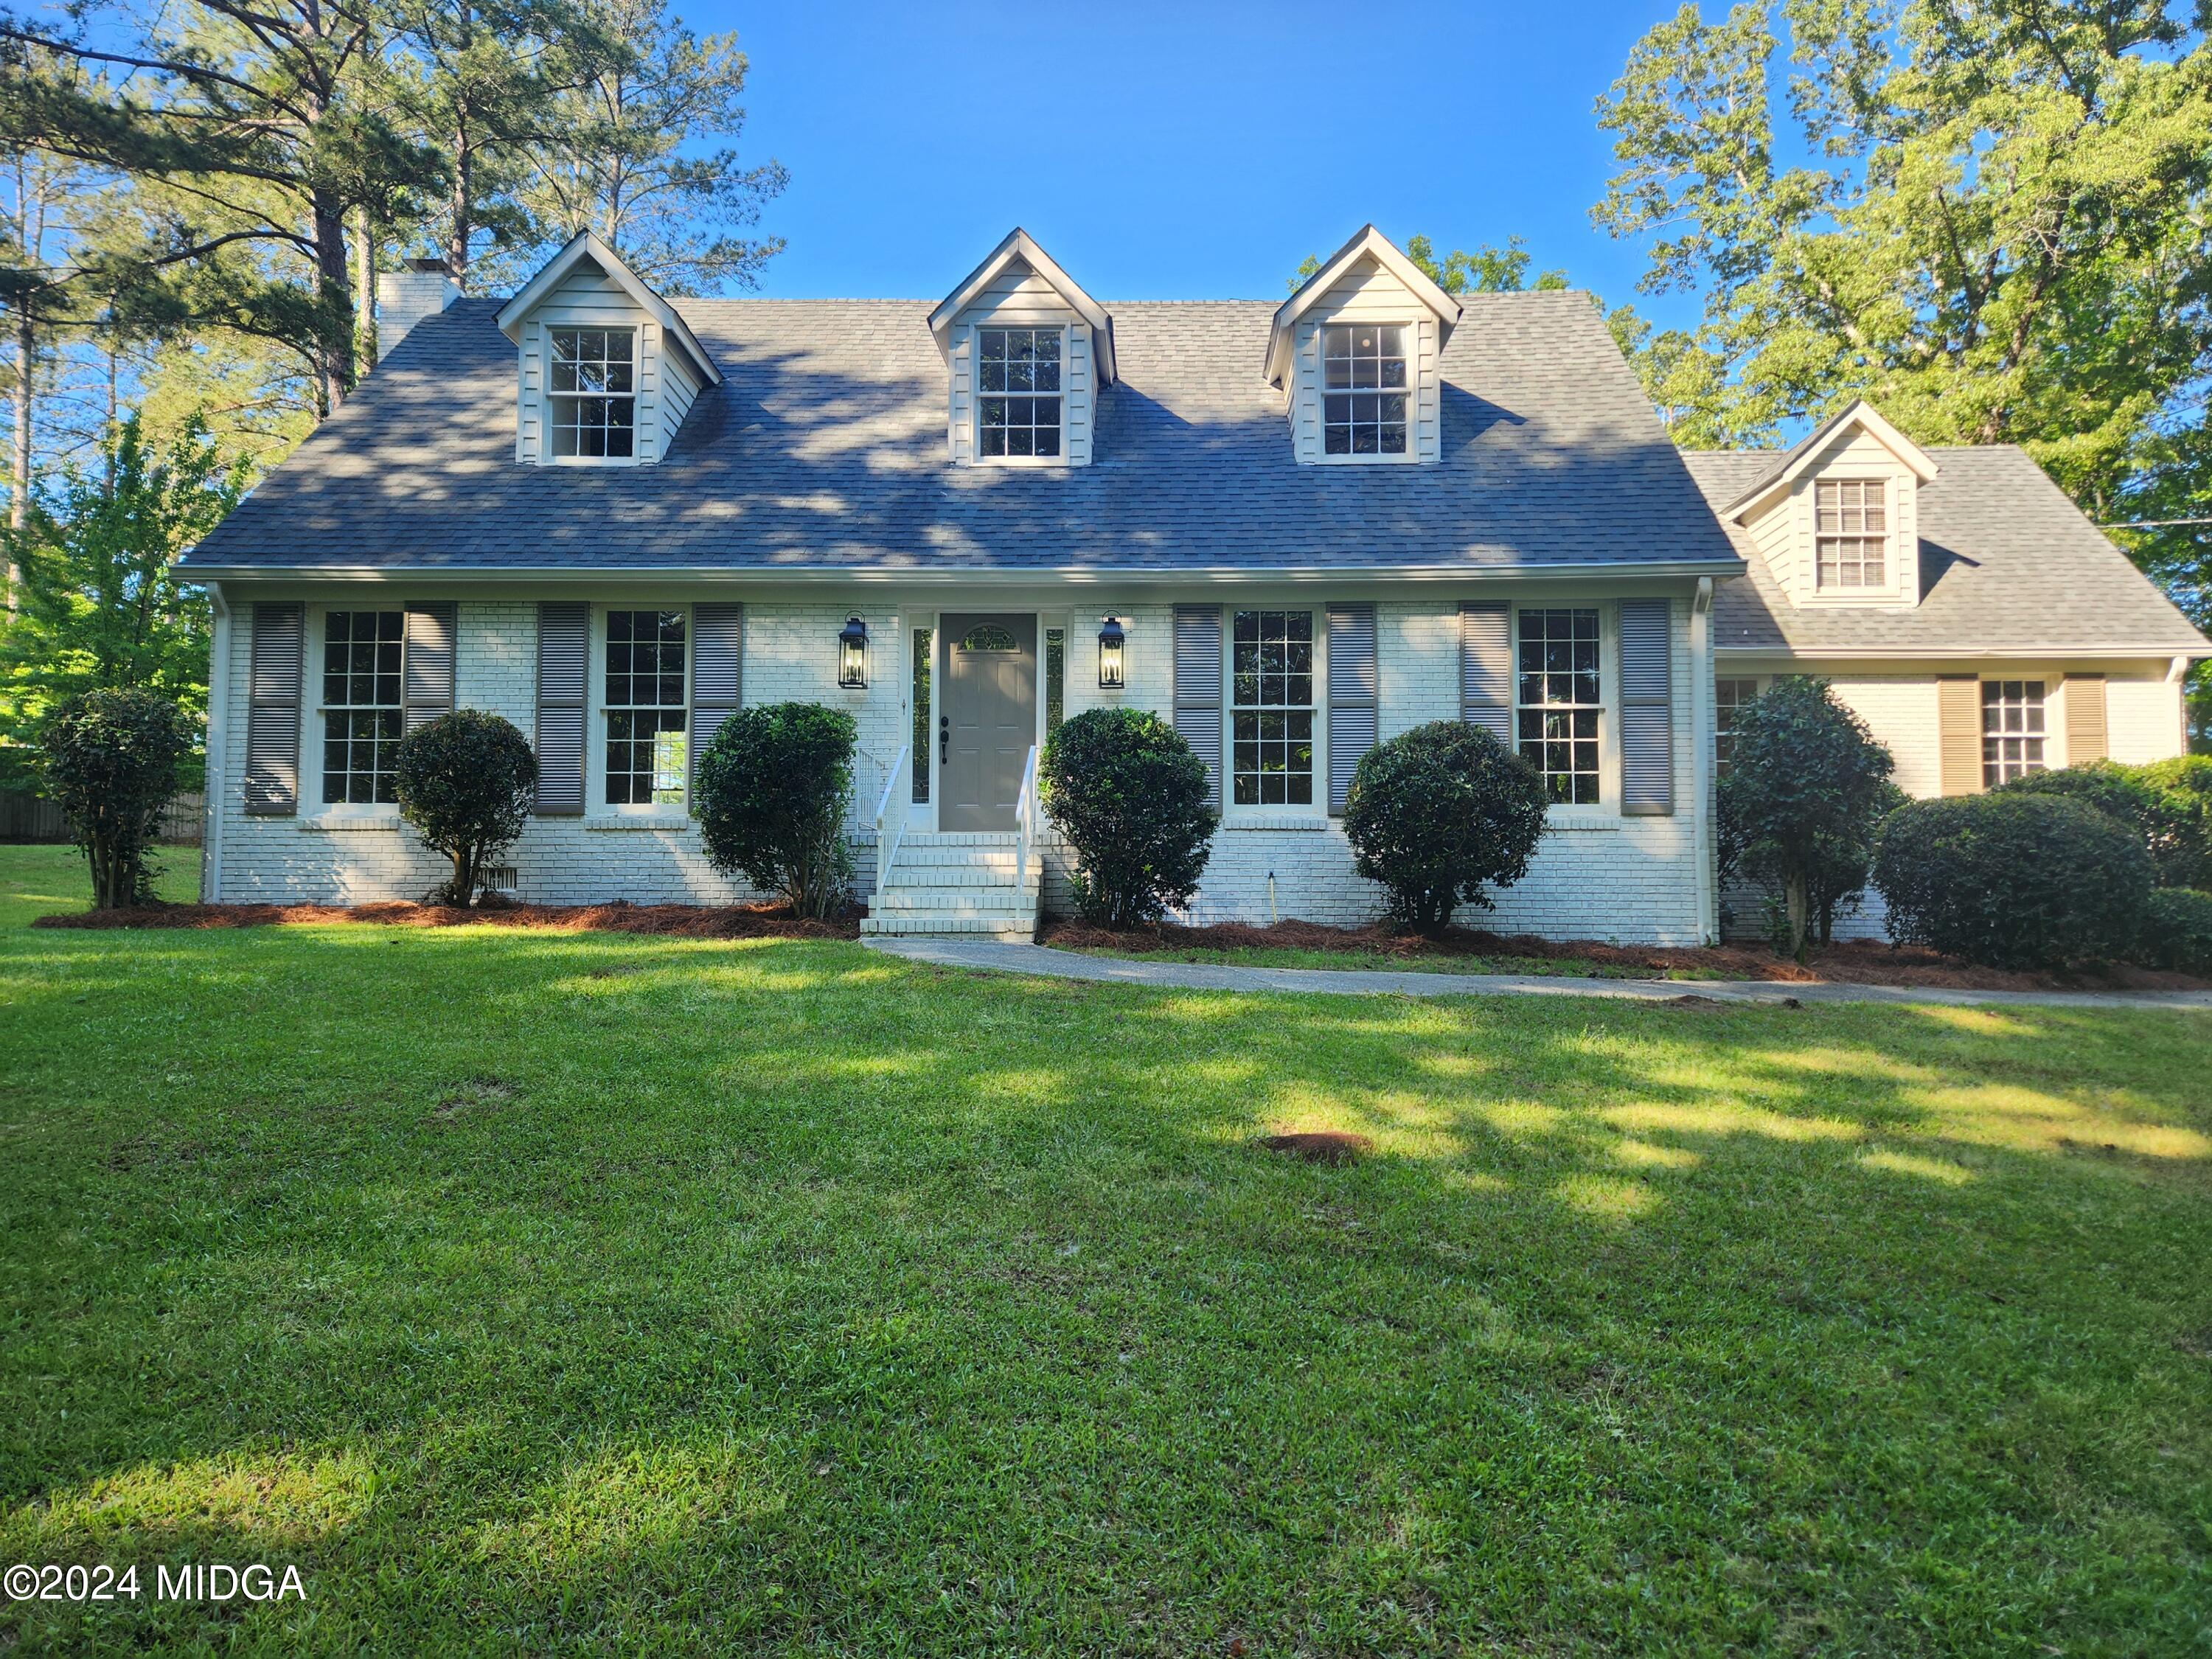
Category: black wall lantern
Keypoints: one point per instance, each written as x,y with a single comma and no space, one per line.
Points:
1110,654
853,654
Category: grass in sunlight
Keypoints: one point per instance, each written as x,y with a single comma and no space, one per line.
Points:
541,1293
1267,956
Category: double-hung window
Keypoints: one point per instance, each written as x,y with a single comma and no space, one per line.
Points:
594,392
1271,681
364,719
646,707
1851,534
2012,730
1019,369
1730,696
1556,701
1363,389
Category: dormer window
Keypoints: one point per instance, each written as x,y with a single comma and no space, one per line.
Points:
1020,406
1851,532
594,392
1364,373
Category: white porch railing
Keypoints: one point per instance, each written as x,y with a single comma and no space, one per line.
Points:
892,810
1028,816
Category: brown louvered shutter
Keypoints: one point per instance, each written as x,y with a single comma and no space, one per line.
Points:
1352,695
1647,742
2086,738
272,721
430,634
1198,686
718,633
563,653
1959,722
1485,668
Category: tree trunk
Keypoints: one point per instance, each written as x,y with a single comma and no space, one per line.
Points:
364,297
333,285
1795,896
19,454
464,211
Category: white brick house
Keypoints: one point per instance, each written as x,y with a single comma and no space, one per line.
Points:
1293,530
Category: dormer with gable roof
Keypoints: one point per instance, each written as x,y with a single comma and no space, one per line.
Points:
1356,350
1028,353
606,370
1836,518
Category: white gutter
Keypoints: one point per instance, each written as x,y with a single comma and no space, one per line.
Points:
2076,651
1702,846
218,749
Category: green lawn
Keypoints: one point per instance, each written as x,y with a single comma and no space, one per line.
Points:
534,1292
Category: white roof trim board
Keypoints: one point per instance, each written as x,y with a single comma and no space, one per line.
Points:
1367,242
1794,462
1020,244
586,245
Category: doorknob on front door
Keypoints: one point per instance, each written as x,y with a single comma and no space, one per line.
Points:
943,738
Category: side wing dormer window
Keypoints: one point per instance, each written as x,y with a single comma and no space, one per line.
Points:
594,392
1363,374
1851,532
1019,412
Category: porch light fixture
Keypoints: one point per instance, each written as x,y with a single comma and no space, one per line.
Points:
853,654
1110,654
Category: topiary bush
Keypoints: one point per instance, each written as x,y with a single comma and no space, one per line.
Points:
111,760
1437,814
466,782
1136,808
2117,790
773,792
2177,931
2180,818
2012,880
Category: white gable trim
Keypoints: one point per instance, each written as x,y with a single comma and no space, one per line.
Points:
585,245
1371,243
1019,245
1862,415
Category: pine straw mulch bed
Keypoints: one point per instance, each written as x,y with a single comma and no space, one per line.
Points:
1853,963
671,921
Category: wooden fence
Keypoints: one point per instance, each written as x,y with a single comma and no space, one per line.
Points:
28,818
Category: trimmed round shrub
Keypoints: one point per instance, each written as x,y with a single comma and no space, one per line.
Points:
773,792
1439,813
2119,792
2180,820
1137,811
111,760
466,781
2177,931
2012,880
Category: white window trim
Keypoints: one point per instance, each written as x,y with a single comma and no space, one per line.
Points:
2041,703
1231,813
312,708
545,323
1607,806
977,394
1320,322
596,803
1892,588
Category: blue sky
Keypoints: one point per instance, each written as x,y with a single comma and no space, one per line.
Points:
1177,151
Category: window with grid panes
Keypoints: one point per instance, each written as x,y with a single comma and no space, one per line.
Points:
1019,370
1271,679
1729,696
1851,535
1557,694
1363,389
2012,730
594,391
646,707
364,719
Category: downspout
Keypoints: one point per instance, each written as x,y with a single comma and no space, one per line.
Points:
1703,842
214,792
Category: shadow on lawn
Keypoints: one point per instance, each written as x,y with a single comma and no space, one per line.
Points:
789,1291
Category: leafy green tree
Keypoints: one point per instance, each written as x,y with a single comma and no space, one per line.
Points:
112,759
1488,270
1991,219
466,781
1437,814
1805,785
100,605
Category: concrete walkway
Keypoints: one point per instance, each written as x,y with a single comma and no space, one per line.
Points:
1198,976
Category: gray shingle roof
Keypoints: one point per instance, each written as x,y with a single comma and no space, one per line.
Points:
2008,564
826,446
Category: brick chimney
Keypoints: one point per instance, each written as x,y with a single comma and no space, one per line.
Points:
419,288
